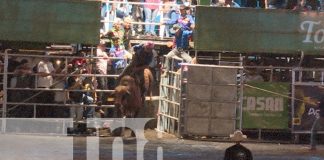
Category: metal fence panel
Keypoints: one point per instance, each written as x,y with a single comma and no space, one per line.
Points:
38,126
210,101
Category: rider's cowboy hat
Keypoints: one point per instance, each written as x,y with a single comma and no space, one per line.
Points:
237,136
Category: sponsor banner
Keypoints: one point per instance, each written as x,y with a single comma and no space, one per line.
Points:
305,109
258,30
53,21
264,110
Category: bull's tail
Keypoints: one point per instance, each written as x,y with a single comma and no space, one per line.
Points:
148,82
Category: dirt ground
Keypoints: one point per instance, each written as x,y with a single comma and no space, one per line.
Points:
32,147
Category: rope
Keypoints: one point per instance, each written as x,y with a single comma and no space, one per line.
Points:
279,94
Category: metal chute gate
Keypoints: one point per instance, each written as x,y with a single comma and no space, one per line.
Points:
204,100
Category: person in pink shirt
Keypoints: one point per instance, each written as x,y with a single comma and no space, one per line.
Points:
101,68
150,12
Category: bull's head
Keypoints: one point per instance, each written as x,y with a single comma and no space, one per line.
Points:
121,95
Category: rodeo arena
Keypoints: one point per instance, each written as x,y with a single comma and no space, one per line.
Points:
162,79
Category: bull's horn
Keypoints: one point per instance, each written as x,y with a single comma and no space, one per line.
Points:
128,92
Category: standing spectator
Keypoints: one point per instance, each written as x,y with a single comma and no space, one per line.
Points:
101,68
13,63
318,125
238,151
138,16
150,12
166,12
45,70
76,97
24,80
60,96
87,97
181,40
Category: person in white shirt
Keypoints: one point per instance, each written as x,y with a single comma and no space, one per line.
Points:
45,70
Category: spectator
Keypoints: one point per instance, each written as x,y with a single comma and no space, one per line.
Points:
75,97
166,12
238,151
118,52
128,32
181,40
108,13
45,70
227,3
117,31
87,97
24,79
182,18
101,68
60,96
13,63
150,12
138,16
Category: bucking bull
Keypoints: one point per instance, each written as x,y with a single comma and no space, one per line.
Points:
130,94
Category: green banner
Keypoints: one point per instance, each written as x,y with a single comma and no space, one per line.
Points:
54,21
263,108
258,30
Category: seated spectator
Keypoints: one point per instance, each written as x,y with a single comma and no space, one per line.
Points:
117,31
128,29
182,18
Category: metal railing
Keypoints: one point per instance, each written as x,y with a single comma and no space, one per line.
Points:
61,77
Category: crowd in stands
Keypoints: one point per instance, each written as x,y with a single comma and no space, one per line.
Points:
147,17
144,19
